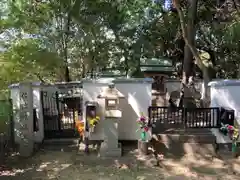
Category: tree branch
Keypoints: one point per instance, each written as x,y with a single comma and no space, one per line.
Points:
236,7
40,77
194,51
184,33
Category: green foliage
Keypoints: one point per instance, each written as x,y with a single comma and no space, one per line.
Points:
42,38
5,115
28,59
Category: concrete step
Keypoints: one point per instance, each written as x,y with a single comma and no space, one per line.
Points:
180,149
180,142
64,145
224,150
203,136
59,141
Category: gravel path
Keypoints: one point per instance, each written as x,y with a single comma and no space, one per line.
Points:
72,165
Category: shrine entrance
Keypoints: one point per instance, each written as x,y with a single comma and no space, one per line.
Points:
61,109
159,70
158,82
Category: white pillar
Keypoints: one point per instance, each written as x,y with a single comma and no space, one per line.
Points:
25,123
37,102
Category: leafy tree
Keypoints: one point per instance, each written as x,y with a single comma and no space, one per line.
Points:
62,40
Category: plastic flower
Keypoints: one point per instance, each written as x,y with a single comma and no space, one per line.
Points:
142,121
142,118
145,129
94,121
230,127
80,127
235,134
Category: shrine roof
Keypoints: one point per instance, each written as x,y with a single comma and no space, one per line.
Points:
112,73
156,65
156,69
162,61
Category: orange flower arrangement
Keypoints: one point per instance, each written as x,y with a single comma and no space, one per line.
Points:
80,127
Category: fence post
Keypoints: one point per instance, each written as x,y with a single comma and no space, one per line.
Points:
149,116
11,124
218,118
58,111
184,116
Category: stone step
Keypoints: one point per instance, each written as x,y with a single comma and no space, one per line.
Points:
180,149
66,145
186,136
170,138
224,150
64,141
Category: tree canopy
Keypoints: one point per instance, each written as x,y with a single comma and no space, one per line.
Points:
61,40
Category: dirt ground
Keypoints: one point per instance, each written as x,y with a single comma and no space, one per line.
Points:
68,163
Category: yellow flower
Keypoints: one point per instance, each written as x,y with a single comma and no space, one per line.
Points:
94,121
235,133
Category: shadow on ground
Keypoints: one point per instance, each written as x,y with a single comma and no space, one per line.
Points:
65,162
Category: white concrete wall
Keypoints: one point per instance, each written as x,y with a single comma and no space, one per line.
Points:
137,99
226,96
16,108
37,104
90,93
225,93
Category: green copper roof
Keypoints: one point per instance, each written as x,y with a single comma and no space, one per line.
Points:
156,69
156,62
113,73
156,65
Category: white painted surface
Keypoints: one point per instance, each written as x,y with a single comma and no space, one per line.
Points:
39,135
37,104
137,99
225,93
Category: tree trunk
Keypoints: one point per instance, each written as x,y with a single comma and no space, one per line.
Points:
194,51
188,63
65,39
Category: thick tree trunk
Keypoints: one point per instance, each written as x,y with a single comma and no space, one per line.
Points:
65,39
192,47
188,63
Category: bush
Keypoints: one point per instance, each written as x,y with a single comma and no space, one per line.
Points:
5,115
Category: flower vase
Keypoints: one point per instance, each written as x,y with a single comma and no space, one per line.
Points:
143,136
143,144
234,149
92,129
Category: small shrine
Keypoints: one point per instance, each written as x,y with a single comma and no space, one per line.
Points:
159,69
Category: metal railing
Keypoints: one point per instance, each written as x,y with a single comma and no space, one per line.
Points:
169,117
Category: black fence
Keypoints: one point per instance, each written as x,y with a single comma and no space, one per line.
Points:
166,117
60,112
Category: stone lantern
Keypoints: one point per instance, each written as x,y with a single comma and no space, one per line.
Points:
112,114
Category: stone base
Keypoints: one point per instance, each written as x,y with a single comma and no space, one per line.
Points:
143,147
106,151
26,150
